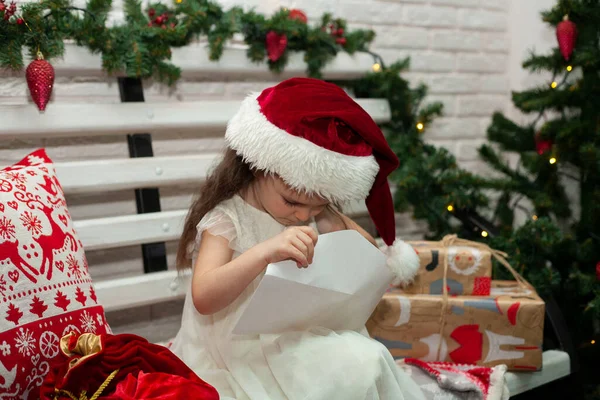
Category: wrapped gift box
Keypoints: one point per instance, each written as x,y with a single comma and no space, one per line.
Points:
469,267
505,327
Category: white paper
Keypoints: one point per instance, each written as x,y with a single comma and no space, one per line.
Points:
338,291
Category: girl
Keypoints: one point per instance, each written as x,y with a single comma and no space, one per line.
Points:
294,152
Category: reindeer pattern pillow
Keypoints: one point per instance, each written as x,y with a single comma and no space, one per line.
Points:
45,288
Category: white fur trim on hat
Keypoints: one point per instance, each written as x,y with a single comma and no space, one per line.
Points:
402,260
302,164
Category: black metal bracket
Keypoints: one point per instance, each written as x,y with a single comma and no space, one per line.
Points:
147,200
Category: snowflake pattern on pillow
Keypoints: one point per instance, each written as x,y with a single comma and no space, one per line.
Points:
45,288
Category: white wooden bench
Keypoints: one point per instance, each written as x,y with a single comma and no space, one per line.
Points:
109,175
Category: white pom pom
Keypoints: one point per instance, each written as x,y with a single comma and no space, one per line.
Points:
403,261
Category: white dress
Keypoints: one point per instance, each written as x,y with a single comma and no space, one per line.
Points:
318,364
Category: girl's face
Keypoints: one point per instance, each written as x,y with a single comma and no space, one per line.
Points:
286,205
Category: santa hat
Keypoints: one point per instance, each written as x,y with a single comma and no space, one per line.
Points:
318,140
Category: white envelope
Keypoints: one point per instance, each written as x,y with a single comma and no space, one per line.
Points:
339,290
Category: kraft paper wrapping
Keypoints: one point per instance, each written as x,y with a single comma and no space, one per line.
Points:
503,328
469,267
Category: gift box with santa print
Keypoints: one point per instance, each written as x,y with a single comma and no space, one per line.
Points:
468,265
505,327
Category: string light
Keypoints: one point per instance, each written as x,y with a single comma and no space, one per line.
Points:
534,217
450,207
284,8
552,160
420,126
569,68
554,85
593,341
484,233
376,67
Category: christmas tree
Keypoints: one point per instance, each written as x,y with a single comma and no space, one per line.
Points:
556,182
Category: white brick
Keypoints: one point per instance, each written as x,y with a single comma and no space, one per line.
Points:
314,9
495,84
486,121
482,105
479,167
496,4
495,42
452,40
401,37
482,19
467,150
450,103
429,16
458,3
444,84
421,61
454,128
482,63
433,62
361,11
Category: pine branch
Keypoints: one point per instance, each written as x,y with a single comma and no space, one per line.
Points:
509,135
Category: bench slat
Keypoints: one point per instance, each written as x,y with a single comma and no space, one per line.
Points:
129,230
64,120
157,287
556,365
135,173
234,64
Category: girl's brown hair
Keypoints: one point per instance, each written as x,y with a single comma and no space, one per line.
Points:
228,178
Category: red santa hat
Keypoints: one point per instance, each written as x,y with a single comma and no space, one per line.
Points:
319,140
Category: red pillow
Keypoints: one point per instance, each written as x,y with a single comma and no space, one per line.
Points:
45,288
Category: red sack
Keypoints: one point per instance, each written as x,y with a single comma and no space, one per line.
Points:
121,367
158,386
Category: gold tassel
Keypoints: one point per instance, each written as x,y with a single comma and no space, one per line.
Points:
83,394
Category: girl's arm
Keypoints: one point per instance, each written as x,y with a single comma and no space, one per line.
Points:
218,280
331,220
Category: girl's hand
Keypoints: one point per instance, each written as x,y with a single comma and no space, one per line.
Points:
296,243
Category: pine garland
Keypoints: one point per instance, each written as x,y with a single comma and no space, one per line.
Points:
141,47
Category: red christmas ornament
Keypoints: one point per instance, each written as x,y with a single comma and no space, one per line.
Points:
20,21
566,34
542,145
40,79
151,12
276,45
341,41
598,271
298,15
